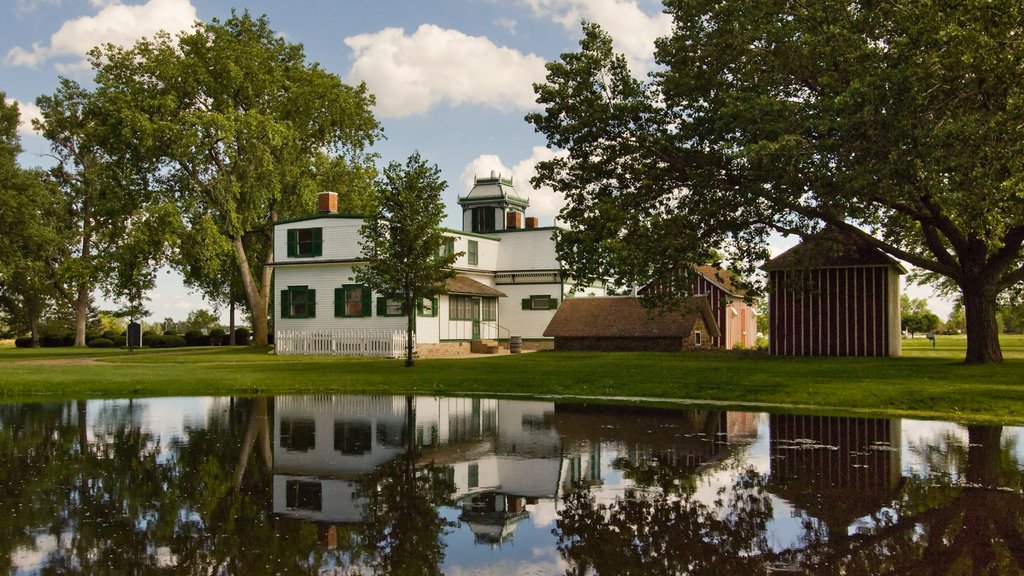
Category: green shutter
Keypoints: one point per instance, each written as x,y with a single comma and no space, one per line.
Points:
367,301
286,304
310,303
527,304
339,302
553,303
382,306
293,243
318,241
437,305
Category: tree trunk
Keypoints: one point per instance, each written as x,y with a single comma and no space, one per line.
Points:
982,327
81,303
409,326
33,330
81,314
253,294
231,324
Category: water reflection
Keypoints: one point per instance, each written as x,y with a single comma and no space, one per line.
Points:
419,485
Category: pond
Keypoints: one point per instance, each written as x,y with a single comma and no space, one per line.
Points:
425,485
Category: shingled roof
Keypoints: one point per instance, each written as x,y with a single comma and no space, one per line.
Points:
620,316
832,248
466,286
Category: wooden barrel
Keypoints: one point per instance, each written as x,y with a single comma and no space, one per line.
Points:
515,344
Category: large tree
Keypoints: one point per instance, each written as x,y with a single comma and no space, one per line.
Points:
402,239
240,129
899,122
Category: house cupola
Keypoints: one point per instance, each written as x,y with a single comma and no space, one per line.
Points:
493,205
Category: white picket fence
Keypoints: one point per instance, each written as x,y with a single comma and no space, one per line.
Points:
384,343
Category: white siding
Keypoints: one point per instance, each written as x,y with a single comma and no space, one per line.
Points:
527,250
526,323
340,238
487,250
324,278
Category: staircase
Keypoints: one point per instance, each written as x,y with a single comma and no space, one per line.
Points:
484,347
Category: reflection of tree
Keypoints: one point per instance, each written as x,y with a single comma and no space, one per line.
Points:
652,531
965,517
402,525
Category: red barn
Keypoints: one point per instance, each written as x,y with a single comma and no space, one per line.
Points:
833,295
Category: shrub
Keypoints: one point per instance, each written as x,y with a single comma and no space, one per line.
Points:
69,339
112,335
196,338
170,333
51,341
242,336
101,343
160,341
216,333
148,333
24,342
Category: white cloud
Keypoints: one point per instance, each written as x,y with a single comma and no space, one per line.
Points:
29,112
545,203
409,74
116,23
632,29
510,25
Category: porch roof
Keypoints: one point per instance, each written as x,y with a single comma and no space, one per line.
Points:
466,286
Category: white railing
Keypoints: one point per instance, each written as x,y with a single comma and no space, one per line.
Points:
384,343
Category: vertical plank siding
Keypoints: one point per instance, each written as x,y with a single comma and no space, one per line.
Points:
831,312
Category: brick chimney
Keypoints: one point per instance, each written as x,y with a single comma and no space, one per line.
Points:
531,222
328,203
514,220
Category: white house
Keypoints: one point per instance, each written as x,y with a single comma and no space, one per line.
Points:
509,281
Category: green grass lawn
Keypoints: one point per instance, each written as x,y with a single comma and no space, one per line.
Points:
926,382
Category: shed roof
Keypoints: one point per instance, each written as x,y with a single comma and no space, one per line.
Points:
466,286
832,248
623,316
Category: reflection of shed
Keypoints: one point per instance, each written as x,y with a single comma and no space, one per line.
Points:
837,469
493,517
834,295
623,324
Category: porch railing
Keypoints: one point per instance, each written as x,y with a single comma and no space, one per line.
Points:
381,343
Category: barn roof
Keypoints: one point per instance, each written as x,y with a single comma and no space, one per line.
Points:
832,248
625,317
466,286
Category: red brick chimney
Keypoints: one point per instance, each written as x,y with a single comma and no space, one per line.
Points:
328,203
514,220
531,222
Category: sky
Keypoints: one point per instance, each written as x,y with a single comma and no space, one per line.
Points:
452,78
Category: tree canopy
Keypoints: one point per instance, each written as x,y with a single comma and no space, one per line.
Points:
402,239
231,123
898,122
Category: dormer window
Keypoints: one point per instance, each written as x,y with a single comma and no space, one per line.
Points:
483,219
305,242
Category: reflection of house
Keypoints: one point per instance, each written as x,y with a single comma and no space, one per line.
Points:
734,317
833,295
508,274
837,469
623,324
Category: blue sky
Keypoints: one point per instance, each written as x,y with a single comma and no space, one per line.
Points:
453,78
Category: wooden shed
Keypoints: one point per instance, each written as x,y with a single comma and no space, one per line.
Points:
619,323
834,295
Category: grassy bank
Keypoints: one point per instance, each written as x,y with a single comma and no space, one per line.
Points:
926,383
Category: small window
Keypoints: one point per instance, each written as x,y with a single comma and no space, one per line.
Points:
474,476
305,242
447,247
474,253
428,308
460,308
303,495
298,435
483,219
353,438
389,307
540,302
352,301
697,339
489,310
298,302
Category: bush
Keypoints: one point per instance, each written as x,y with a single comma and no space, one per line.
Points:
242,336
196,338
101,343
170,333
51,341
112,335
160,341
24,342
216,333
69,339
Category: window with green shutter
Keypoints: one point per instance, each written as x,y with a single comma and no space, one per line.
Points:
298,302
305,242
473,253
428,308
352,301
389,307
540,302
447,247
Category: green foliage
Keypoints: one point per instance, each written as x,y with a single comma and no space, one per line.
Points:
199,320
159,341
402,238
242,336
196,338
236,129
886,120
915,317
23,342
217,333
100,343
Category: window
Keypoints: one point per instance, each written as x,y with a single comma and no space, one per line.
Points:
696,339
460,308
352,438
303,495
447,247
428,308
298,302
540,302
389,307
489,311
483,219
352,301
474,253
298,435
474,475
305,242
